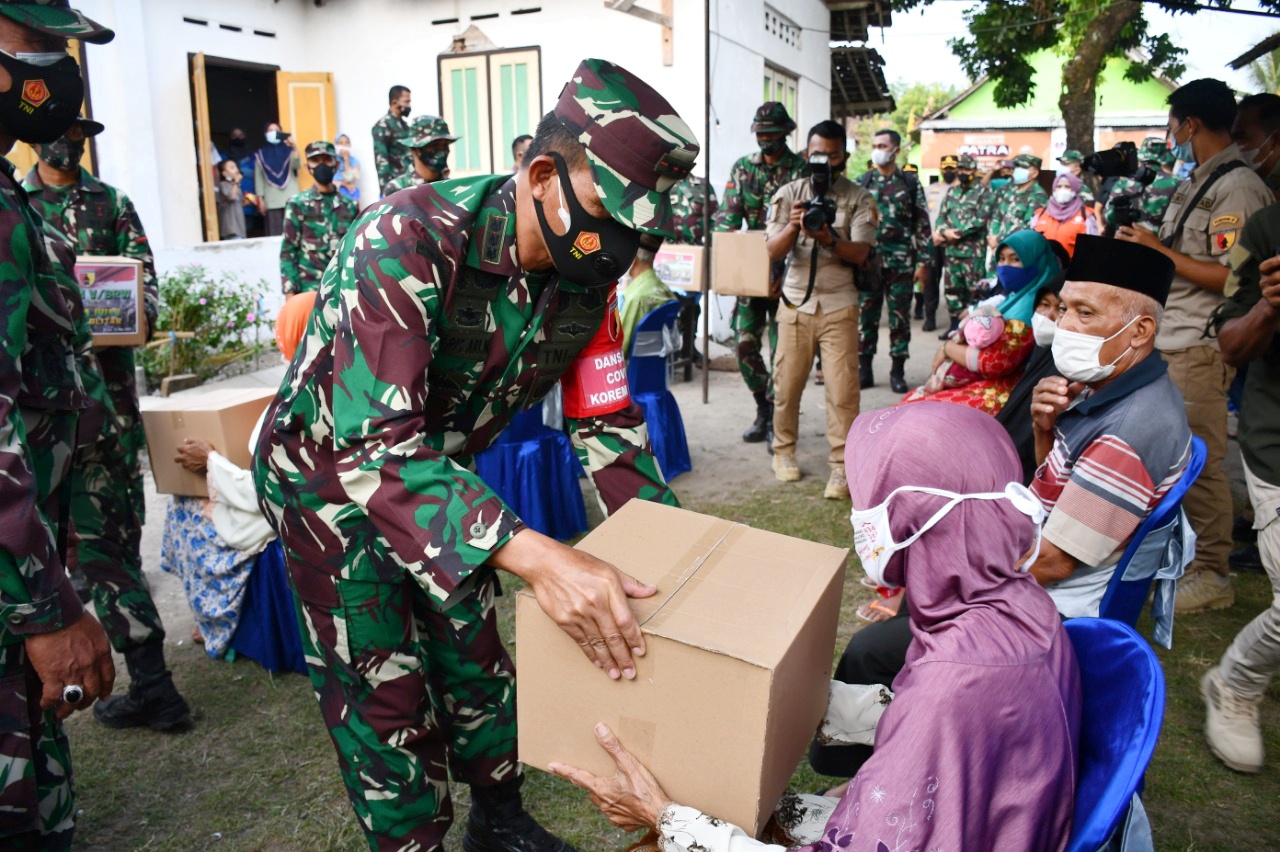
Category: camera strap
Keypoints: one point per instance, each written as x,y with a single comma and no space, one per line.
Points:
1198,197
813,278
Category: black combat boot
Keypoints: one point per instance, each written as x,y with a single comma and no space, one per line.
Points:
930,321
918,311
499,823
897,381
152,701
955,323
759,430
865,377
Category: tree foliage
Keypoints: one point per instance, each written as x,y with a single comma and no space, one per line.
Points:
914,101
1264,72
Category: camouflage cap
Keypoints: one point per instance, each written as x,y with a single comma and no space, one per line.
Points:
427,129
966,161
949,161
56,17
637,146
1155,150
772,117
1028,161
1071,155
321,148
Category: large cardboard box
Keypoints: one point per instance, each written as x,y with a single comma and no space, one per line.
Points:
740,637
111,288
223,417
739,264
680,267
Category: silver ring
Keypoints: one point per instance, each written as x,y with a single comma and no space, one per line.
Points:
73,694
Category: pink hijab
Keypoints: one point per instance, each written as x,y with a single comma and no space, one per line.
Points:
978,749
1063,212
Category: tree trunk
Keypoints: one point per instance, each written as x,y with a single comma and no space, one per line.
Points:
1079,97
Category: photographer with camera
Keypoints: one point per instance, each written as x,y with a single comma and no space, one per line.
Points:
1140,198
1201,225
822,225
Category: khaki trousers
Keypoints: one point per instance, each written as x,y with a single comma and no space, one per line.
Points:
800,336
1203,377
1254,656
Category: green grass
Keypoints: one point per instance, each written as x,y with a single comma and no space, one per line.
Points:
258,772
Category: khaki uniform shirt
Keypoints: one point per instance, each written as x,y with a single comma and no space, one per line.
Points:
856,220
1211,230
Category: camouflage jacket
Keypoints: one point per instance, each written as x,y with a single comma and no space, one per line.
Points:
314,224
965,210
101,220
1010,210
427,339
408,180
391,156
687,208
1150,201
752,183
41,395
903,239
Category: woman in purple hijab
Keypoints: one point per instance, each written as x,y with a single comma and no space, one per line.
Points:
978,748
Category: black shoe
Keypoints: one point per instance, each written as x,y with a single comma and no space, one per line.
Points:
918,311
759,430
955,323
866,379
930,323
498,822
897,381
1247,559
1242,530
152,701
768,438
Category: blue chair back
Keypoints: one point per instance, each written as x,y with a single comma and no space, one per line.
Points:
525,426
1122,688
648,374
1124,599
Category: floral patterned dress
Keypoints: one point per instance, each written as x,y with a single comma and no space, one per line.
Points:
1000,366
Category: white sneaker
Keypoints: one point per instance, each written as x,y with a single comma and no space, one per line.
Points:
1204,590
837,486
785,467
1231,724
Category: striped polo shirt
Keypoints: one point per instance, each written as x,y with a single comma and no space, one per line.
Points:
1116,452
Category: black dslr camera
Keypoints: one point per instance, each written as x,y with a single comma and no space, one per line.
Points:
821,211
1125,210
1120,161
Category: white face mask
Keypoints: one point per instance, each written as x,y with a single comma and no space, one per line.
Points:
41,59
882,158
1064,195
272,137
873,537
1077,355
1043,329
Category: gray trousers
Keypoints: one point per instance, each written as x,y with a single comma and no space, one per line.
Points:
1254,656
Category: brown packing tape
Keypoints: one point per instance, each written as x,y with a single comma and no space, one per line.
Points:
705,550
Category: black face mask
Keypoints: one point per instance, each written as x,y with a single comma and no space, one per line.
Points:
773,147
42,101
437,161
63,155
948,176
323,173
239,144
594,252
965,179
404,112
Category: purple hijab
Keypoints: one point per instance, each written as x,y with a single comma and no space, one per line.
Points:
1063,212
978,749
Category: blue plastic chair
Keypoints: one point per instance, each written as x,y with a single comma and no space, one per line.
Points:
269,632
1124,598
647,378
1122,709
535,471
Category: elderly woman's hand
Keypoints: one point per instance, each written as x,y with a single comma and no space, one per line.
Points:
193,454
632,798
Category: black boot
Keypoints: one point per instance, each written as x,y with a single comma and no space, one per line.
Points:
918,312
152,701
499,823
759,430
865,377
897,381
930,322
955,323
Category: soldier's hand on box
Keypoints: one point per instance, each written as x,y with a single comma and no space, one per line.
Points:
632,798
78,654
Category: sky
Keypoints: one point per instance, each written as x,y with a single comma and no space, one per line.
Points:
915,46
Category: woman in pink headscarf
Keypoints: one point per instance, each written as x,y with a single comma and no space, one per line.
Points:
978,748
1066,216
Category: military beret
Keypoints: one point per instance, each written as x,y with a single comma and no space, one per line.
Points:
967,161
1028,161
949,161
1130,266
772,117
56,17
1071,156
637,145
427,129
320,148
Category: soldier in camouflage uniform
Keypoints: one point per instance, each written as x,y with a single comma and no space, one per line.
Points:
752,182
962,230
902,257
429,140
390,154
47,642
1148,202
108,505
687,208
315,221
443,316
1014,206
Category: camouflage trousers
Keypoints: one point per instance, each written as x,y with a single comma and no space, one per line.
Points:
37,796
963,275
899,287
410,694
107,513
752,318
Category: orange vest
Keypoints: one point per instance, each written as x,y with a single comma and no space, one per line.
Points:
1064,232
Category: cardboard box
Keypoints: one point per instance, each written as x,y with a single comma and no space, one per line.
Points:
680,267
113,301
740,640
223,417
739,264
